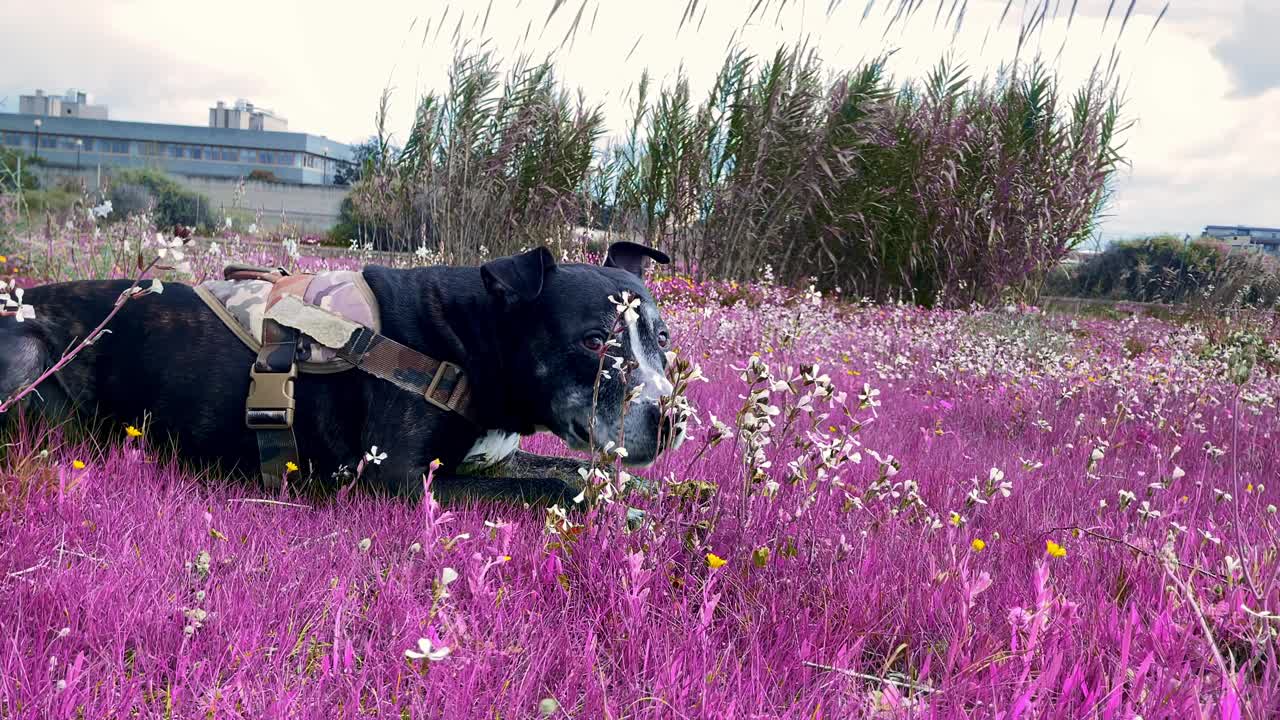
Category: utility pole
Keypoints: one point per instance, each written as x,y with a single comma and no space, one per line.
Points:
79,147
37,122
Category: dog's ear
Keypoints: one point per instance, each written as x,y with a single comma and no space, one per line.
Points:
518,278
630,256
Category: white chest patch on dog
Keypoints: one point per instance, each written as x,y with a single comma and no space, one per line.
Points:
656,384
492,448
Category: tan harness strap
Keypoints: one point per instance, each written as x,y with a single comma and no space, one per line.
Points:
441,383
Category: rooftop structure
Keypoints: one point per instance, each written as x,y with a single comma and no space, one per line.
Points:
244,116
72,104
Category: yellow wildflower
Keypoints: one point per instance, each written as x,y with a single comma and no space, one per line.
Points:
77,464
714,561
977,545
132,431
1054,549
291,466
3,259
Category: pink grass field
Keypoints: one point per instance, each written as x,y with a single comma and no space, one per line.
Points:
1007,515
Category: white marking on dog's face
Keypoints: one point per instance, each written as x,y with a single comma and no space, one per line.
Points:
492,448
649,372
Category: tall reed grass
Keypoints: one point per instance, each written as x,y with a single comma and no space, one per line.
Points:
950,190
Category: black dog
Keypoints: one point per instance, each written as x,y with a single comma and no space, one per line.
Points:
527,332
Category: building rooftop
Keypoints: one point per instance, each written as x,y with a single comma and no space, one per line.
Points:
189,150
1246,228
161,132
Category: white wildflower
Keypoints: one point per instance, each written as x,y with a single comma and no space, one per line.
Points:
448,576
626,307
1126,497
428,651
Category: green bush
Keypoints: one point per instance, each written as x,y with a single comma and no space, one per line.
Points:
1167,269
129,199
54,200
173,204
9,171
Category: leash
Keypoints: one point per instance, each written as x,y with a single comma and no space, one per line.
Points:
271,404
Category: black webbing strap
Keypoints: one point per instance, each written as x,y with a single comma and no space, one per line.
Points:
270,406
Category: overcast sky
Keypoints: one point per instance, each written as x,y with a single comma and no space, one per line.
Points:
1203,89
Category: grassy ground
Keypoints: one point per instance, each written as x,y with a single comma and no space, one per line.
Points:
958,514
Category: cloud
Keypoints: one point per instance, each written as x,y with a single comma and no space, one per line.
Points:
84,49
1250,52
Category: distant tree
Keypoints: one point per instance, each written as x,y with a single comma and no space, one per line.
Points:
363,156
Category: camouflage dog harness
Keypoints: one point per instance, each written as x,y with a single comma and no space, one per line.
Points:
322,323
247,294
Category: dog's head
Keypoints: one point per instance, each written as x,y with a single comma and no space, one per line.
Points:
563,318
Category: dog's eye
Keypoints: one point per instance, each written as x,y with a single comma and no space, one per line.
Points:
593,342
663,339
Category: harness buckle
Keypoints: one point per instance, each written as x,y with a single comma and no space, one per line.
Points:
271,402
445,366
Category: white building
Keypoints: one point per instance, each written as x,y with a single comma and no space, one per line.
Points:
74,104
1262,239
244,116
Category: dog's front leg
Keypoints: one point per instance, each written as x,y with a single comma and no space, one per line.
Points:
453,489
570,471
